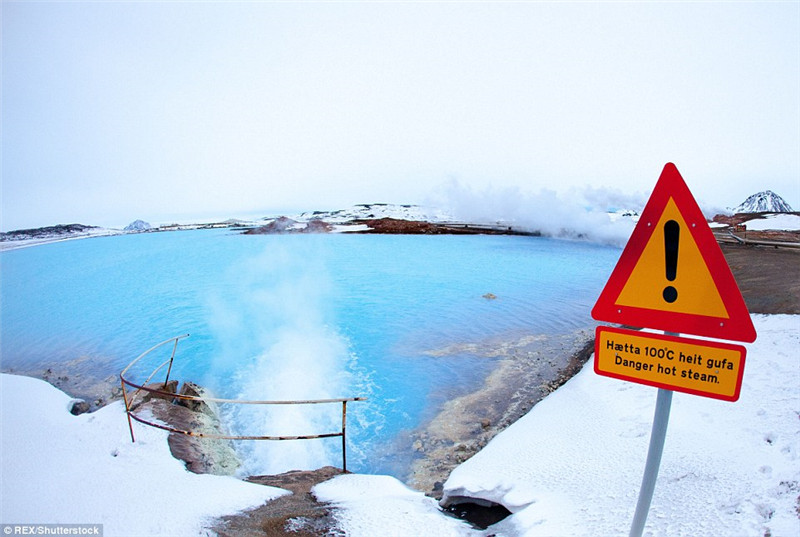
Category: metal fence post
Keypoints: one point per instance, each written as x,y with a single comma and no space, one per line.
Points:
344,437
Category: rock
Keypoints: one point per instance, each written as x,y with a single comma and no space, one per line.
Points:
317,226
201,455
486,423
144,396
282,224
191,389
394,226
79,407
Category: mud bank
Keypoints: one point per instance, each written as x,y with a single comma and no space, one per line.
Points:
528,369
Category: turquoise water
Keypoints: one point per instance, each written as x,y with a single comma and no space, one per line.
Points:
297,316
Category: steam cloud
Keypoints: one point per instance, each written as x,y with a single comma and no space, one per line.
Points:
577,215
274,321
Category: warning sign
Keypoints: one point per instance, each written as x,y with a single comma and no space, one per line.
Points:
672,274
693,366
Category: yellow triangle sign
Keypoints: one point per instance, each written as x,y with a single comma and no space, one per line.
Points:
698,294
672,274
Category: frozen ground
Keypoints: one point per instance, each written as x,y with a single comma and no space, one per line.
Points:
786,222
572,466
60,468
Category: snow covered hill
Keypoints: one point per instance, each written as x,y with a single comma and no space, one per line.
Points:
369,211
763,202
138,225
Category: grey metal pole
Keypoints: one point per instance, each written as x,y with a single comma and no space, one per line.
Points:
657,435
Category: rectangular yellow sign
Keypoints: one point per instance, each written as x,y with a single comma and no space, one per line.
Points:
706,368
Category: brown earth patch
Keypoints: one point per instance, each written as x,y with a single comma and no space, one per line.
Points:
768,277
297,514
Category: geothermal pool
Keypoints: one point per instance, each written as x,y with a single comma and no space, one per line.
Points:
297,317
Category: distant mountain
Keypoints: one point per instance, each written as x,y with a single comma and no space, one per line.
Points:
763,202
138,225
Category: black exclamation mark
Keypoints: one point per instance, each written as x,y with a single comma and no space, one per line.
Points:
672,231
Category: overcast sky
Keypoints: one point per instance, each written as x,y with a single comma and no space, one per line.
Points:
115,111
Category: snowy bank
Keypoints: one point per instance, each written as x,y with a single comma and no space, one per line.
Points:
785,222
571,467
60,468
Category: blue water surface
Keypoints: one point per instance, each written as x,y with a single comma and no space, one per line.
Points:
297,316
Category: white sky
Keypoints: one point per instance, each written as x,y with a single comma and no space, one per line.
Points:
115,111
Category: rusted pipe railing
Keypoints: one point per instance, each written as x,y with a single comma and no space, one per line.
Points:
130,401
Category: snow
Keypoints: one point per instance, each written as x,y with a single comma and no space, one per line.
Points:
350,228
572,466
60,468
785,222
378,210
13,244
370,505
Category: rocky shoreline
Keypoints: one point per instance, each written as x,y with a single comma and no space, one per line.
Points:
528,369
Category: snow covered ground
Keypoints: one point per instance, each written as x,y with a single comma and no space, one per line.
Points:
60,468
35,241
370,211
572,466
785,222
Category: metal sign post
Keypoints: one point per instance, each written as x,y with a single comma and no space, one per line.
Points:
657,435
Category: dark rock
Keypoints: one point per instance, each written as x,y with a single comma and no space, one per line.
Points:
279,225
143,396
79,407
169,387
191,389
202,455
317,226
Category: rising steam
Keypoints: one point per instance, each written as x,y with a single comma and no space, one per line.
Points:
274,322
583,214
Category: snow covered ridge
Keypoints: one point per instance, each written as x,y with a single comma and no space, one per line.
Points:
50,232
550,218
763,202
31,237
374,211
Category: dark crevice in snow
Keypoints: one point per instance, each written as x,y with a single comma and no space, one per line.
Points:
481,514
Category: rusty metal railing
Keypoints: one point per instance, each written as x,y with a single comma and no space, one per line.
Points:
143,387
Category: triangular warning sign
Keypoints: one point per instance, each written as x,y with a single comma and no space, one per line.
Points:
672,274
